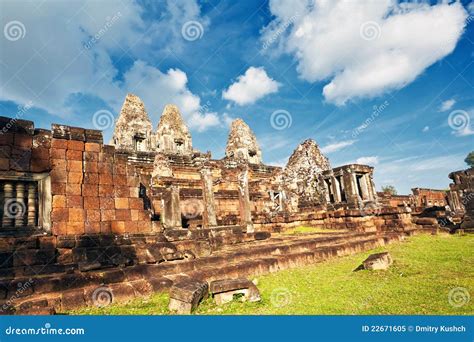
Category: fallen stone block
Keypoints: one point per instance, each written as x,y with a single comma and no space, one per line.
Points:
226,290
378,261
186,295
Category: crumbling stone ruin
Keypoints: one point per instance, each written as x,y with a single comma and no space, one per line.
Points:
462,197
148,211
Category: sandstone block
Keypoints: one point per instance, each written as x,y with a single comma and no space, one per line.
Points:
186,295
378,261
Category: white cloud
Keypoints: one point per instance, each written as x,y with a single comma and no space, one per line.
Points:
365,48
447,105
250,87
144,80
69,47
372,160
426,129
337,146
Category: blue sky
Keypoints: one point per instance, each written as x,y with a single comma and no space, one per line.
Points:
375,82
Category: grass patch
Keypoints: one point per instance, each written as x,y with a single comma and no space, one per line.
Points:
425,269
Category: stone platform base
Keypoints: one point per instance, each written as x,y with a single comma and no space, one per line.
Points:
63,292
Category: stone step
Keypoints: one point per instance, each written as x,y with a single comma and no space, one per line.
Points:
75,290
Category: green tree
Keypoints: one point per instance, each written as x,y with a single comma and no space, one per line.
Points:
389,189
470,159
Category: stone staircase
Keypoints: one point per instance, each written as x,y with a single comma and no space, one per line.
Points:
62,292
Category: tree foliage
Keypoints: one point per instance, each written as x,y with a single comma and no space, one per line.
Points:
389,189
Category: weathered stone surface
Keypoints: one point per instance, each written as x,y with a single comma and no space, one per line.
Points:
172,134
378,261
133,128
226,290
242,144
186,295
302,175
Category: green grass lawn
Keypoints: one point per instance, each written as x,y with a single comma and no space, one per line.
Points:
426,268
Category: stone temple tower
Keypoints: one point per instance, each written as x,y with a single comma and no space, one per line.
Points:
242,144
133,128
172,134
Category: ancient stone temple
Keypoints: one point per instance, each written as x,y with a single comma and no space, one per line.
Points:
172,134
135,215
242,144
133,129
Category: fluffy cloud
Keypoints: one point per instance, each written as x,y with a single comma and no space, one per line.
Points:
365,48
337,146
372,160
157,89
250,87
73,56
447,105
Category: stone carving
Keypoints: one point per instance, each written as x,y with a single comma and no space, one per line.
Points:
242,145
133,128
302,175
172,134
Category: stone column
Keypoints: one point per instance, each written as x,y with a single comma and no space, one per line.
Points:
7,219
171,208
370,186
244,201
31,205
335,189
209,214
364,187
